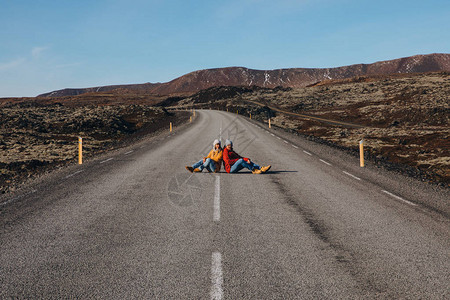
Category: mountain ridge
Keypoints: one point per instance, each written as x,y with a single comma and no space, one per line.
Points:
290,77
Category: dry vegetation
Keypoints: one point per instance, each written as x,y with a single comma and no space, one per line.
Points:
36,137
405,117
405,121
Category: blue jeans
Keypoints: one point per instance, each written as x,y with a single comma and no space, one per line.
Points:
209,164
241,163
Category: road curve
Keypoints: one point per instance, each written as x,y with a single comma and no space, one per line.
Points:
136,224
309,117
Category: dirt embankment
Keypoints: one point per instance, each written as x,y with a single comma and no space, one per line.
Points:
405,117
37,137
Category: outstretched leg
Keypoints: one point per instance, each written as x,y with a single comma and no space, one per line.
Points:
241,163
197,167
255,168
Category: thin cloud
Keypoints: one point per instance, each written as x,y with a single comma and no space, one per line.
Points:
12,64
68,65
37,51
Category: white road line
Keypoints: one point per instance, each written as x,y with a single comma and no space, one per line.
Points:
102,162
286,141
351,175
278,138
399,198
216,216
295,146
216,276
18,197
325,162
73,174
128,152
272,134
307,153
9,201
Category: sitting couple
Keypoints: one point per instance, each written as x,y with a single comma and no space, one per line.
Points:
232,161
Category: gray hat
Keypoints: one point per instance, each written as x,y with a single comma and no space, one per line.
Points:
216,141
228,142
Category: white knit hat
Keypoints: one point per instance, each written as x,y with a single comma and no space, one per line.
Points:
216,141
228,142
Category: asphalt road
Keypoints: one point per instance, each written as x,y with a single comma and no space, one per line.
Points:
136,224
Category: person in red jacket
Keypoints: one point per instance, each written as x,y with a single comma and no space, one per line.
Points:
233,162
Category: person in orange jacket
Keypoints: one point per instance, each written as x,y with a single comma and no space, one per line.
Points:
234,162
212,162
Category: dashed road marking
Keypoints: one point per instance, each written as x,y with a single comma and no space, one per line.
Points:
272,134
102,162
294,146
18,197
73,174
216,276
399,198
351,175
278,138
325,162
307,153
216,216
286,141
128,152
9,201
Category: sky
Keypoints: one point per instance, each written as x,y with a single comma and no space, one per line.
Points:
47,45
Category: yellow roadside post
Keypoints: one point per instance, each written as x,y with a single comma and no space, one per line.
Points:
194,112
237,112
269,124
170,126
250,116
227,109
190,119
361,153
80,150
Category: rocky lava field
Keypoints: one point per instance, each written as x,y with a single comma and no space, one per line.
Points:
404,117
38,136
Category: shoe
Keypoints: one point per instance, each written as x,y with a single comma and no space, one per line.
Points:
197,170
265,169
256,171
190,169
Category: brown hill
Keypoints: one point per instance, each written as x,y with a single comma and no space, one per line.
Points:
139,88
295,77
